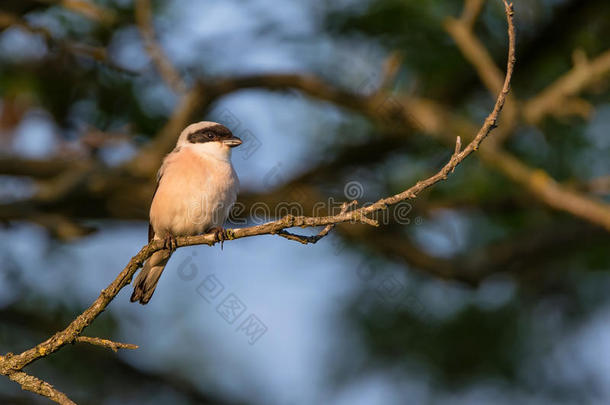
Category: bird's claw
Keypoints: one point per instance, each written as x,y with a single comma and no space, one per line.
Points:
170,243
220,234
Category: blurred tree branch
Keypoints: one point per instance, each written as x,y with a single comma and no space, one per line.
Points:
461,30
87,9
472,9
96,53
514,255
560,98
145,24
436,121
426,114
35,168
146,161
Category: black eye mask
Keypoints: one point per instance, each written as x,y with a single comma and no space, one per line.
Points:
210,134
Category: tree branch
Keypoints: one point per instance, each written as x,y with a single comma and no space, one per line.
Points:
145,24
436,121
554,98
315,238
87,9
96,53
474,51
433,119
38,386
37,168
114,346
471,11
84,8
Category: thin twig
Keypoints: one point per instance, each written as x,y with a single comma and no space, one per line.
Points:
315,238
114,346
475,52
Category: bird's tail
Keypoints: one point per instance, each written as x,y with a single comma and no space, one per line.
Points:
146,282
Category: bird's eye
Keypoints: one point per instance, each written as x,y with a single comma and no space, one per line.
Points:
210,135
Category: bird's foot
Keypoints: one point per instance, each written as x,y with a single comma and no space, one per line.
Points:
170,243
220,234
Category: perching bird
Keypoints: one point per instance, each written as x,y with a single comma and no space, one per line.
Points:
196,188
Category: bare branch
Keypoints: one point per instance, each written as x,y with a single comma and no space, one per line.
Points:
313,239
474,51
40,387
115,346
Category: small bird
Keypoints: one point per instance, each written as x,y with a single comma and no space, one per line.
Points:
196,189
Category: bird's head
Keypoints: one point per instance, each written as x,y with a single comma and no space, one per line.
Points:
210,138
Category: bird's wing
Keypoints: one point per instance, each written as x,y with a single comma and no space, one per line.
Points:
151,231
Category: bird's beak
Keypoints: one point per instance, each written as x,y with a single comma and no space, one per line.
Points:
232,142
